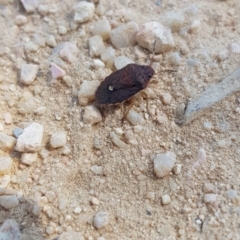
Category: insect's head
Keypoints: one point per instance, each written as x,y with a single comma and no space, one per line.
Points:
149,72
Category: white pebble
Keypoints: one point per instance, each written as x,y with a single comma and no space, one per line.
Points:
234,48
166,199
94,201
121,62
5,165
30,6
10,230
101,219
51,41
224,143
232,194
207,125
195,26
167,98
210,198
97,169
125,35
135,118
40,110
87,91
102,28
100,9
28,158
174,59
164,163
7,118
31,47
31,138
6,142
177,169
91,115
222,55
151,196
26,104
20,20
77,210
108,56
137,128
28,73
96,46
43,9
208,188
174,20
9,201
58,139
84,12
56,71
69,52
49,230
39,39
62,30
98,64
154,31
116,140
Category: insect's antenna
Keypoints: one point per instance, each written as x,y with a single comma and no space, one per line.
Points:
154,47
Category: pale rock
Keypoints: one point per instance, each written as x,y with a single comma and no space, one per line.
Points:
31,138
166,98
7,118
67,80
5,181
101,219
224,143
135,118
166,199
164,163
62,30
26,104
39,39
151,196
77,210
31,47
87,91
44,153
28,73
91,115
210,198
208,188
177,169
97,169
195,26
121,62
222,55
51,41
84,12
40,110
56,71
20,20
231,193
5,165
30,5
43,9
6,142
137,128
108,56
49,230
125,35
94,201
28,158
174,20
234,48
10,230
96,46
100,10
174,59
98,64
9,201
51,195
162,118
71,235
102,28
69,52
58,139
117,141
17,131
152,32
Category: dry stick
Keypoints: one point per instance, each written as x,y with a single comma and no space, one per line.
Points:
209,97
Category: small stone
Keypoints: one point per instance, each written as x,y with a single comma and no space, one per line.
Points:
207,125
31,47
68,80
49,230
224,143
174,20
58,139
177,169
84,12
210,198
135,118
166,199
125,35
97,169
44,153
31,138
62,30
154,31
195,26
10,230
174,59
7,118
6,142
151,196
51,41
50,195
232,194
20,20
28,158
17,132
30,5
162,119
9,201
77,210
137,128
69,52
91,115
43,9
39,39
98,64
56,71
96,46
26,104
94,201
121,62
222,55
208,188
87,91
101,219
167,98
115,139
71,235
108,56
164,163
100,10
234,48
102,28
40,110
5,165
28,73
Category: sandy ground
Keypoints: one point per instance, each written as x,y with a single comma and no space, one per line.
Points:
127,187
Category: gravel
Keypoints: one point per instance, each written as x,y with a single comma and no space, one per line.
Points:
58,139
6,142
101,219
9,201
5,165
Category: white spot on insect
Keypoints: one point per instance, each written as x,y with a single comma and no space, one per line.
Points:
110,88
